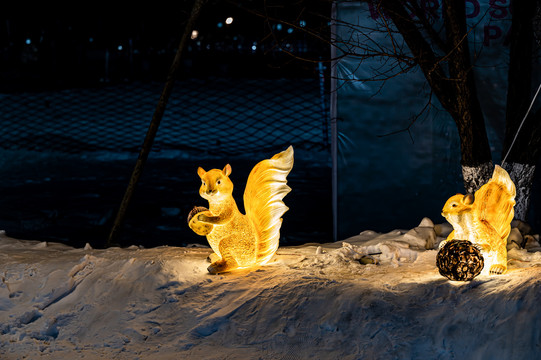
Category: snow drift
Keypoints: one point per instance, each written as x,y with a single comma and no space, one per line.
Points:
376,296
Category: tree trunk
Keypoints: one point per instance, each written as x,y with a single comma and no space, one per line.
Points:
522,175
476,176
521,148
465,107
457,91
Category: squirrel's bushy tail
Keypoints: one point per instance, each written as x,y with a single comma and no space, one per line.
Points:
496,200
265,189
502,177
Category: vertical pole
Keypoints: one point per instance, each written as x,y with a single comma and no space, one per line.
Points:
155,123
334,127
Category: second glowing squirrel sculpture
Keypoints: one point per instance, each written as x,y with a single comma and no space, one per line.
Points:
239,240
485,219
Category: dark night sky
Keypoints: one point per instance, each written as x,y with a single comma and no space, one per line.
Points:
63,47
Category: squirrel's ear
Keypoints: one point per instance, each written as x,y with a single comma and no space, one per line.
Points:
200,172
227,170
468,199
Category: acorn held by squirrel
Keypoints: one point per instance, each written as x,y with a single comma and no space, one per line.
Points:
484,219
242,240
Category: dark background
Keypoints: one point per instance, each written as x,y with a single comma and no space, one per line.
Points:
44,48
73,197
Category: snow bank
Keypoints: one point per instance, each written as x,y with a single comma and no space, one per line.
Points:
376,296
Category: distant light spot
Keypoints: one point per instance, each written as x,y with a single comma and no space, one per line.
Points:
195,34
278,27
229,20
220,25
302,23
119,47
28,41
290,30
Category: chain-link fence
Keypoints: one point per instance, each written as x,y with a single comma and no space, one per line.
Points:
218,115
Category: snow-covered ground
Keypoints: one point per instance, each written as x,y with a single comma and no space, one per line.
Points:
314,301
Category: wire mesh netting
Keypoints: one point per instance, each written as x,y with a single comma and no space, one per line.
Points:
225,116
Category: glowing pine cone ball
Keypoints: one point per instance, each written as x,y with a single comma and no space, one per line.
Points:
459,260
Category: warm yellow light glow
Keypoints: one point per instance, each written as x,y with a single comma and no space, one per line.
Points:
229,20
195,34
239,240
485,219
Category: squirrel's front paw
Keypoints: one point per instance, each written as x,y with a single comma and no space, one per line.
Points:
485,247
198,227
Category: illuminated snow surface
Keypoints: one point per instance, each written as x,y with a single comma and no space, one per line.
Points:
316,301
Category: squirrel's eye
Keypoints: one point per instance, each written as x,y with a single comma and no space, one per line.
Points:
203,183
453,205
219,182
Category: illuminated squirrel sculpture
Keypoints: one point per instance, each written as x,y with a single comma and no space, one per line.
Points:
485,219
239,240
